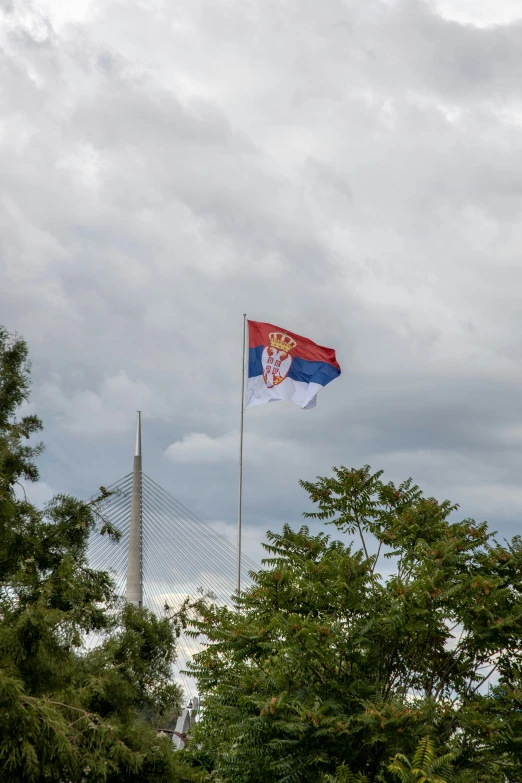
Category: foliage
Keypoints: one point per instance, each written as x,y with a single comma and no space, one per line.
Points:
343,774
67,714
425,767
327,668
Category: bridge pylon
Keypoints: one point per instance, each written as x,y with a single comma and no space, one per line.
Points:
134,585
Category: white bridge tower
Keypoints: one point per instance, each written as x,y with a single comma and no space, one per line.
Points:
134,589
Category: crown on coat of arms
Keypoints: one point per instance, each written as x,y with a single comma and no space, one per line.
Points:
281,341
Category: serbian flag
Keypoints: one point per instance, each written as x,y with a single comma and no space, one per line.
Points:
285,366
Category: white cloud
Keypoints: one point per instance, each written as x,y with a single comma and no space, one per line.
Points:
349,170
110,409
483,14
199,448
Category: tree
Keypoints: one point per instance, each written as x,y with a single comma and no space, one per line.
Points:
327,668
67,714
425,767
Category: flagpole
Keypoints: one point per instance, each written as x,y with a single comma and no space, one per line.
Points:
240,498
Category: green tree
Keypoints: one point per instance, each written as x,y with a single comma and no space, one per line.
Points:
425,767
67,714
327,667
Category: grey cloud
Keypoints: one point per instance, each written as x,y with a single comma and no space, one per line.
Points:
453,59
350,171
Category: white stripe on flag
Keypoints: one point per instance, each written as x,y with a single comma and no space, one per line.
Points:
298,392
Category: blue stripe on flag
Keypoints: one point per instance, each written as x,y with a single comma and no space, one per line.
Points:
301,369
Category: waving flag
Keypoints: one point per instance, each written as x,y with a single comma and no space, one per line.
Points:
285,366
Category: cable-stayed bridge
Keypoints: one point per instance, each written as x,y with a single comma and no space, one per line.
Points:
165,553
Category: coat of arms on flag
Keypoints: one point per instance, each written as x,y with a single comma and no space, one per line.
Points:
285,366
277,358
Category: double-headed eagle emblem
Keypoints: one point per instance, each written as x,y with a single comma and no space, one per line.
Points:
277,358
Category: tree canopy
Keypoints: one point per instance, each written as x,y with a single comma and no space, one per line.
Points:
68,714
391,651
394,655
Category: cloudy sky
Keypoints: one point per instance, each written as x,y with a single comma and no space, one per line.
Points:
349,170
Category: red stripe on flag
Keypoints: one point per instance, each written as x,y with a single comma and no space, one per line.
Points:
258,334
